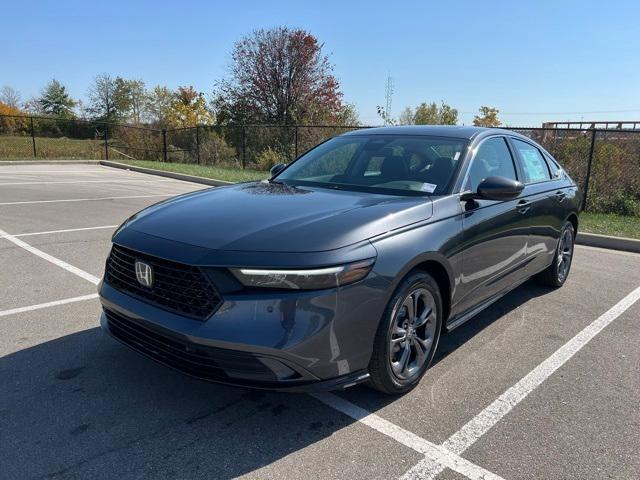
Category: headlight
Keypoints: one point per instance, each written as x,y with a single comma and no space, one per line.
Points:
304,279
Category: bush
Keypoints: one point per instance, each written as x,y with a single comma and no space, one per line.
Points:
214,150
267,158
617,202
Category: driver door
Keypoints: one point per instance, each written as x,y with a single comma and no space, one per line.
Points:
495,232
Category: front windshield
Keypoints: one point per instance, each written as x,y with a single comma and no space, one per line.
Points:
396,164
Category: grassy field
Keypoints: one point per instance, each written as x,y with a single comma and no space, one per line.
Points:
21,148
209,171
610,224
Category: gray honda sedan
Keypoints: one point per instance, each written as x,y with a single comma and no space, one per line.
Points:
345,266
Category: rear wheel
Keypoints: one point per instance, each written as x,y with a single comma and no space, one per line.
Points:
556,274
407,336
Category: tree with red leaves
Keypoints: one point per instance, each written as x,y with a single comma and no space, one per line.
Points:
279,76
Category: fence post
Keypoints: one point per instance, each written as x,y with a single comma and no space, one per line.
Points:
244,145
589,162
33,138
164,145
106,139
198,143
296,142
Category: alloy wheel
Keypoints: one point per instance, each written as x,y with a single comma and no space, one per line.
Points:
412,333
565,251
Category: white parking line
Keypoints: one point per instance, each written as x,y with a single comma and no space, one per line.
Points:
64,301
492,414
50,258
63,231
90,199
122,180
437,454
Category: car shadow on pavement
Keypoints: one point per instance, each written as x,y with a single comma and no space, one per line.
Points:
450,341
84,406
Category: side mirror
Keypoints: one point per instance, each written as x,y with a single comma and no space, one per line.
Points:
277,168
495,188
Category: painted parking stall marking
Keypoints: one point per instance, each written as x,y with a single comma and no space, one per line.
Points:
435,454
492,414
55,303
125,197
50,258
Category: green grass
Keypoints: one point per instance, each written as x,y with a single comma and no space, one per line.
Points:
21,148
610,224
220,173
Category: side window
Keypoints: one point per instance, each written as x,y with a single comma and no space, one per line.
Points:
533,165
556,170
493,158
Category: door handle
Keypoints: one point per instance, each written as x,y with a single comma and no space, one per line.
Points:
560,195
523,206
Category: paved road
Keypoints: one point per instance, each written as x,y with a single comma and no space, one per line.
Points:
75,404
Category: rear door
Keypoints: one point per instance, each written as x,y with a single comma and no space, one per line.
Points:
544,195
495,232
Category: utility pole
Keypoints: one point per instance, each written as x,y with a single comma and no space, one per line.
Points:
388,95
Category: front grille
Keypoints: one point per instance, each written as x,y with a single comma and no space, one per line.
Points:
207,363
180,288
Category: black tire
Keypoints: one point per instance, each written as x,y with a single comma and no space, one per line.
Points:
418,293
557,273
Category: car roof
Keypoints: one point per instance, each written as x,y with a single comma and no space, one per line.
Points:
454,131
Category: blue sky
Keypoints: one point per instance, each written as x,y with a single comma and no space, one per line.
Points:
523,57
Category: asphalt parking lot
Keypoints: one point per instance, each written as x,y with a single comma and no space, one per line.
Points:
544,384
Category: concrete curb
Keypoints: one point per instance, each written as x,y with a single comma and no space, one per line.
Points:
613,243
164,173
49,162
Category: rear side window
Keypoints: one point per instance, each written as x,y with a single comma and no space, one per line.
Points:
556,171
533,164
493,158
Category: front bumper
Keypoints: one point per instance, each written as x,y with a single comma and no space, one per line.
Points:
298,341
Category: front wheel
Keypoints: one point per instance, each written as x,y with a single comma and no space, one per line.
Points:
407,336
556,274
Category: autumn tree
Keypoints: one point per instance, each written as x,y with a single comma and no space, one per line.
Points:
488,117
10,96
55,100
279,76
9,124
188,109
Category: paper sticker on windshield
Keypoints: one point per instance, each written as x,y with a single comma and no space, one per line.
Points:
428,187
456,156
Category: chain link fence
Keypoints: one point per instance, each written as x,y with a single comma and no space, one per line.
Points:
605,163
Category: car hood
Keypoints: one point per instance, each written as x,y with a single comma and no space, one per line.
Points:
273,217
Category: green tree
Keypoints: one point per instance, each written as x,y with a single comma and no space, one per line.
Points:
55,100
431,114
158,104
488,117
130,98
348,115
102,99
